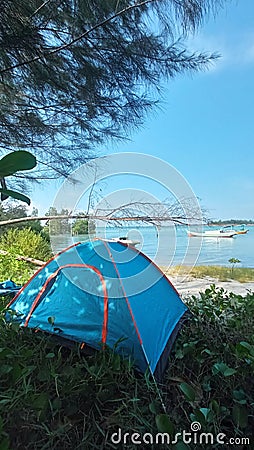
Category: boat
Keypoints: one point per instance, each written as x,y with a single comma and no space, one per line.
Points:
125,240
233,228
213,234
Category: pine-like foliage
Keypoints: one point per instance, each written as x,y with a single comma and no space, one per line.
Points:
75,73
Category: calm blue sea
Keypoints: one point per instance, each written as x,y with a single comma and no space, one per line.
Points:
171,245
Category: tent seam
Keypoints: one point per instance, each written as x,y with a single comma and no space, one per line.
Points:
125,295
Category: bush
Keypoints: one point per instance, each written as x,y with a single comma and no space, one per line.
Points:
53,398
26,242
23,242
12,269
213,362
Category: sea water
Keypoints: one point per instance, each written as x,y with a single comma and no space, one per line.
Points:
169,246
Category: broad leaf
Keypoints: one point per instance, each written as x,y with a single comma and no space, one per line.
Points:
247,346
205,411
224,369
50,355
239,396
16,195
16,161
40,404
214,406
164,424
188,392
229,371
155,407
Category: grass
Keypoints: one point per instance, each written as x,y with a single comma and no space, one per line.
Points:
221,273
57,399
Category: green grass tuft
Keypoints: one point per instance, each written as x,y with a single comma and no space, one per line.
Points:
243,275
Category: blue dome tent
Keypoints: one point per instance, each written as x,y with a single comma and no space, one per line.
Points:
101,292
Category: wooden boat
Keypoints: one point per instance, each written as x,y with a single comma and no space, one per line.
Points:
241,231
213,234
233,228
125,240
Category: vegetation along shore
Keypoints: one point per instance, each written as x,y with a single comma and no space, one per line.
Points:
53,397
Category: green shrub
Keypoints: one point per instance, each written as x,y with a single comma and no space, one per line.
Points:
211,374
17,271
23,242
26,242
53,398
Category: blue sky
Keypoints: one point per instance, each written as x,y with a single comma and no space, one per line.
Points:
205,127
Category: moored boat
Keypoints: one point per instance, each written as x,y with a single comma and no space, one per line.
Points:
213,234
125,240
242,229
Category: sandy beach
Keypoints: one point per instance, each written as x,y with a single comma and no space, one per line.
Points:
192,286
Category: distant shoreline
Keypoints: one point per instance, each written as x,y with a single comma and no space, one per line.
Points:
231,224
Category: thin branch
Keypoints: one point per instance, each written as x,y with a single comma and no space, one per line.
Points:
30,218
149,219
40,7
78,38
36,262
91,193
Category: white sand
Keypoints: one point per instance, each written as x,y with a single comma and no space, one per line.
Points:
192,286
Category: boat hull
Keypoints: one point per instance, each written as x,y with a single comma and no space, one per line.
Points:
213,234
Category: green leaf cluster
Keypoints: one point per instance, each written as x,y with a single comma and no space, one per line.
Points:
27,243
24,242
9,165
213,361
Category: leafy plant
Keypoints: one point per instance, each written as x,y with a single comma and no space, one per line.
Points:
212,363
9,165
52,397
24,242
11,268
233,261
